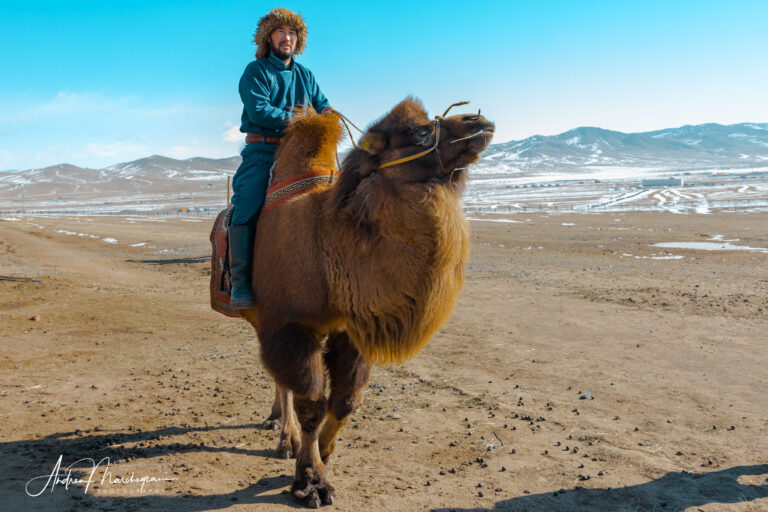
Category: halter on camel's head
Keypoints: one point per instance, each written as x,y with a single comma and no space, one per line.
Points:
455,141
366,144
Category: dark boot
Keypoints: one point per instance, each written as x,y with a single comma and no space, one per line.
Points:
240,266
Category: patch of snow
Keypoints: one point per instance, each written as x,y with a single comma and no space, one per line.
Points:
109,240
709,246
480,219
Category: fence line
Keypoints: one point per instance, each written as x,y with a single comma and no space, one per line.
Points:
581,208
468,209
114,213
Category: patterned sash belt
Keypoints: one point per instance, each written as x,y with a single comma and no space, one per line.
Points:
250,138
296,186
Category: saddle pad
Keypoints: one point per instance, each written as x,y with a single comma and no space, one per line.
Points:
297,186
220,284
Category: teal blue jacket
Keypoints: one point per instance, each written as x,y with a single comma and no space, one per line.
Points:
269,90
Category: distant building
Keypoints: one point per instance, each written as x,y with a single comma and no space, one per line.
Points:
663,182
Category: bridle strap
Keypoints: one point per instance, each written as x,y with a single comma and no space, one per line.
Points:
438,121
417,155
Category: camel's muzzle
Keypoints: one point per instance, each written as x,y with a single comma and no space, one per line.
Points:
479,132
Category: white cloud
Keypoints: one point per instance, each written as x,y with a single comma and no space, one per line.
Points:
67,103
213,150
83,105
7,160
111,150
94,129
233,134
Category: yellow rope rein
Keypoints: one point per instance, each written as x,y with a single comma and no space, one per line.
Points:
438,120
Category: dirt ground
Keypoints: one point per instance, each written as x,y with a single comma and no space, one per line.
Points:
582,369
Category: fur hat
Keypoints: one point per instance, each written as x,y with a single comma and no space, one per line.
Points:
274,19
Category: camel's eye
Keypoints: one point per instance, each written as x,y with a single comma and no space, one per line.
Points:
420,132
421,135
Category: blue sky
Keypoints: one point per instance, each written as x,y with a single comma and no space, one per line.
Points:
95,83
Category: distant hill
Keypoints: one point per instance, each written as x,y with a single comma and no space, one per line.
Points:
687,147
130,184
202,181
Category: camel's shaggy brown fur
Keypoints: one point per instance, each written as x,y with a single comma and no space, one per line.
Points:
359,272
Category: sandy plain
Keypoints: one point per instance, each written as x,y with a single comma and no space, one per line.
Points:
126,364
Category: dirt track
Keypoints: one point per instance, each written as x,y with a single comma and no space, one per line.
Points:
127,361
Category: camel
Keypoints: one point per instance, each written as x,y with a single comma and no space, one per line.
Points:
359,271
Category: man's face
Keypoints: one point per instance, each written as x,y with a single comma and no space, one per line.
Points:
283,42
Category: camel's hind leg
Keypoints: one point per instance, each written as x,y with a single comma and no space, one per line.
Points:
349,374
273,422
294,356
288,446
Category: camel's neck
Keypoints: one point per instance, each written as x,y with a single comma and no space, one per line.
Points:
403,212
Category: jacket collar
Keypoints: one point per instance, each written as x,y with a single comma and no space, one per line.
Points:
278,63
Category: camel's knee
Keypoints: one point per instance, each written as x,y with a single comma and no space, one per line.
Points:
349,374
343,406
310,412
293,355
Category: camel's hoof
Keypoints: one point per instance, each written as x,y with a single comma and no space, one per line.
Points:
283,452
287,447
314,494
272,424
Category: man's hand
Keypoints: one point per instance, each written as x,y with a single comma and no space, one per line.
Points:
328,109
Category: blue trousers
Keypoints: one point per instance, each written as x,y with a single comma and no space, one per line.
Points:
250,183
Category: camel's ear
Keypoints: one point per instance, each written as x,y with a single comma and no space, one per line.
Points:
373,142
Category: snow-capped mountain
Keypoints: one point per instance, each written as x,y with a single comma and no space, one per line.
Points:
687,147
159,182
135,184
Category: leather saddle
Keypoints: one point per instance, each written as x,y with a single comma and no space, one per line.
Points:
220,277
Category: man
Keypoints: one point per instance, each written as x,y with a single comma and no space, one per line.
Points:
270,88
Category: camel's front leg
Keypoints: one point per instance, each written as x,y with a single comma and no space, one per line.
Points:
294,356
310,484
349,374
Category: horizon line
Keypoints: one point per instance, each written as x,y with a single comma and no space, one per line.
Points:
494,144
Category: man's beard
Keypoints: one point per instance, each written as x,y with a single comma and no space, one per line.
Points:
279,53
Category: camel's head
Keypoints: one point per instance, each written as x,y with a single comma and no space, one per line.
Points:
408,131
